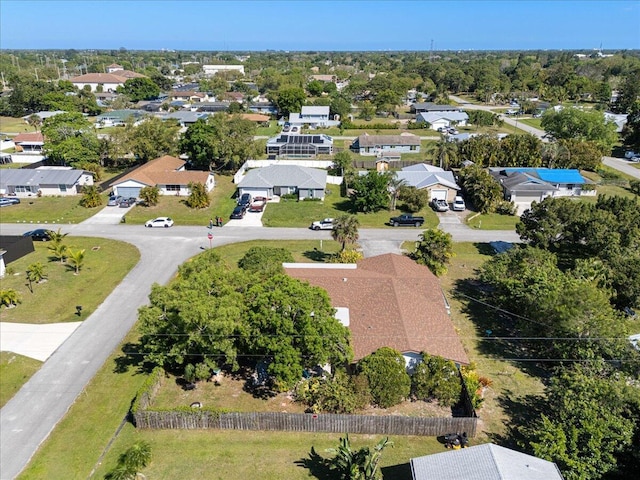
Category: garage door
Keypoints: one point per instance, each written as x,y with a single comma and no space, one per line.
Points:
255,192
127,192
438,194
526,198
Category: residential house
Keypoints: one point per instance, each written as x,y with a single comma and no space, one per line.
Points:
441,120
267,108
257,118
188,96
441,184
43,115
119,118
276,180
211,70
313,117
302,145
620,119
419,107
237,97
106,82
212,107
483,462
167,173
374,145
31,142
526,185
45,181
324,78
388,301
184,118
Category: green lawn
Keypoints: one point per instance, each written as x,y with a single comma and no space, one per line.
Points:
301,214
532,122
33,211
272,130
302,250
55,300
14,125
15,370
493,221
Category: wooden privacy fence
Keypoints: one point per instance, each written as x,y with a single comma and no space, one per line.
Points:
303,422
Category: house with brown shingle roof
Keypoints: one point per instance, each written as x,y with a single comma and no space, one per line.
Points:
167,173
388,301
108,82
29,142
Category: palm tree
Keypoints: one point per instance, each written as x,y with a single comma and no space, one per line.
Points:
35,273
359,464
444,152
59,251
395,184
9,298
57,236
345,230
137,456
35,121
76,257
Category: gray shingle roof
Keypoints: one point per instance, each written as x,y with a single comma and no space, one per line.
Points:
285,175
423,175
37,177
483,462
366,140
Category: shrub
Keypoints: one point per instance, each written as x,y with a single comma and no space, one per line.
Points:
437,378
634,186
338,394
347,125
190,373
504,207
150,195
289,196
198,197
265,260
386,373
346,256
473,384
202,371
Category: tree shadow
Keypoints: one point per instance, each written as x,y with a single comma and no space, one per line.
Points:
316,255
318,466
132,357
396,472
521,410
345,205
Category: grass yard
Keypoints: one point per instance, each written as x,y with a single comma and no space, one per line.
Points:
492,221
301,250
15,370
270,131
301,214
14,125
532,122
54,300
43,210
222,204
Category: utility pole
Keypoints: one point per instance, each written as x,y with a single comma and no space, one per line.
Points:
431,52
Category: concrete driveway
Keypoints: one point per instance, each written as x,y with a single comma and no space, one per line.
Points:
108,216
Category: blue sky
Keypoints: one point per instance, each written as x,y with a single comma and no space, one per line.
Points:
319,25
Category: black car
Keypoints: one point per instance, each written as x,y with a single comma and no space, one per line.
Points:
40,234
239,212
245,200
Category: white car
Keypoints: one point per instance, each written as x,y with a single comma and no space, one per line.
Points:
458,204
165,222
324,224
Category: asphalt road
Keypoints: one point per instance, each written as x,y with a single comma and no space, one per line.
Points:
623,165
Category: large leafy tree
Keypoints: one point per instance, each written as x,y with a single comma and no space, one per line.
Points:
152,138
434,249
581,125
142,88
292,325
222,141
386,372
370,192
70,139
288,99
265,261
587,420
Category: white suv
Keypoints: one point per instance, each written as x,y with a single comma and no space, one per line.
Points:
458,204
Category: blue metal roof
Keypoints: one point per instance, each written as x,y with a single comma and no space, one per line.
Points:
560,176
551,175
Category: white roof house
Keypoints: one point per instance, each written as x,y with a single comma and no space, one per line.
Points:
442,119
46,180
483,462
314,116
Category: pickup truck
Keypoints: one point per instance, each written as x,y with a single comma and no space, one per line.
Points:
258,204
406,221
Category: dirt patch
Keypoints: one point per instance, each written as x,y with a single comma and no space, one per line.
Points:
229,392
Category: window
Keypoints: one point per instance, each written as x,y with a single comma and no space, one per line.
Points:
63,188
25,189
413,147
172,188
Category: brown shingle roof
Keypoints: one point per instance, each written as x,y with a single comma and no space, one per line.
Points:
392,302
164,171
120,77
29,137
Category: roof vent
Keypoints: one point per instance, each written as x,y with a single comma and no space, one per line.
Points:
344,279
